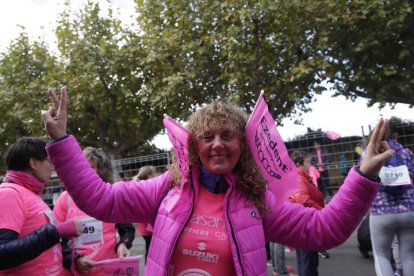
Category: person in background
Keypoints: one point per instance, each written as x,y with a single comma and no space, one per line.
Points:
344,165
397,265
309,196
358,150
29,239
320,159
364,237
144,229
392,213
87,255
216,221
277,253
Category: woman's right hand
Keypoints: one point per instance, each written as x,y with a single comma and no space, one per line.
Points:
55,118
84,264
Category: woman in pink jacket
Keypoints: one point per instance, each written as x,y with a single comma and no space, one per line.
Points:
218,222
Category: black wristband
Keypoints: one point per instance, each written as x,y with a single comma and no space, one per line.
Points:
60,139
375,178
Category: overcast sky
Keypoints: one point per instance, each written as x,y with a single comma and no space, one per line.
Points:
336,114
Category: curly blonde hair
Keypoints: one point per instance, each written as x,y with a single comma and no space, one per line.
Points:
224,114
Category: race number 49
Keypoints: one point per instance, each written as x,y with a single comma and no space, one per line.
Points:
91,232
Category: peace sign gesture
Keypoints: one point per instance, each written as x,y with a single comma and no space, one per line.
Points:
377,151
56,118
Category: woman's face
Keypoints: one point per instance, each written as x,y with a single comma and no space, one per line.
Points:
219,150
43,170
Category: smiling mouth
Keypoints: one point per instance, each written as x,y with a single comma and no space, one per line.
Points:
218,157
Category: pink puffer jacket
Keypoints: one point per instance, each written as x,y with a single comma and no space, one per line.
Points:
292,225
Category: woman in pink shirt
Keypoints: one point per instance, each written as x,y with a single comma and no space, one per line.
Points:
144,229
309,196
216,221
86,256
29,239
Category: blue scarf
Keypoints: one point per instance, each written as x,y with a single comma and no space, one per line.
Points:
214,183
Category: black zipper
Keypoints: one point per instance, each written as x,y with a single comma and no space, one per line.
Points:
232,232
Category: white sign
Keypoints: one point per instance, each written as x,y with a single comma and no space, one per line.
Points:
91,232
395,176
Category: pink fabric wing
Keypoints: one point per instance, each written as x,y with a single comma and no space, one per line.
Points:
179,138
270,153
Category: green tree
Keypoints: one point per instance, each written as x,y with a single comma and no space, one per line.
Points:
369,46
203,50
99,60
122,79
109,107
26,68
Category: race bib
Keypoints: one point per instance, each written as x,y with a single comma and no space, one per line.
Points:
91,232
395,176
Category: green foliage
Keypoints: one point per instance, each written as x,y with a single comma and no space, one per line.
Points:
233,49
206,50
123,80
103,72
25,70
369,46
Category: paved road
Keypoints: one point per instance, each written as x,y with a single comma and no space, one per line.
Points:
345,260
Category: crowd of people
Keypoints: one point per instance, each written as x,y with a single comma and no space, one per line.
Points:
214,219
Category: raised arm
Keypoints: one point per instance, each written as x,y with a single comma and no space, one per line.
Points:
125,202
310,229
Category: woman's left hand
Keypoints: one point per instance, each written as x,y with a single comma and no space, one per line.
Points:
377,151
123,251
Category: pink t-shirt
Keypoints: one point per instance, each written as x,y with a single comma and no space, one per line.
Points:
203,248
24,212
66,209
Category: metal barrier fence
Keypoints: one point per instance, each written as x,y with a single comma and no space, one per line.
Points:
341,154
